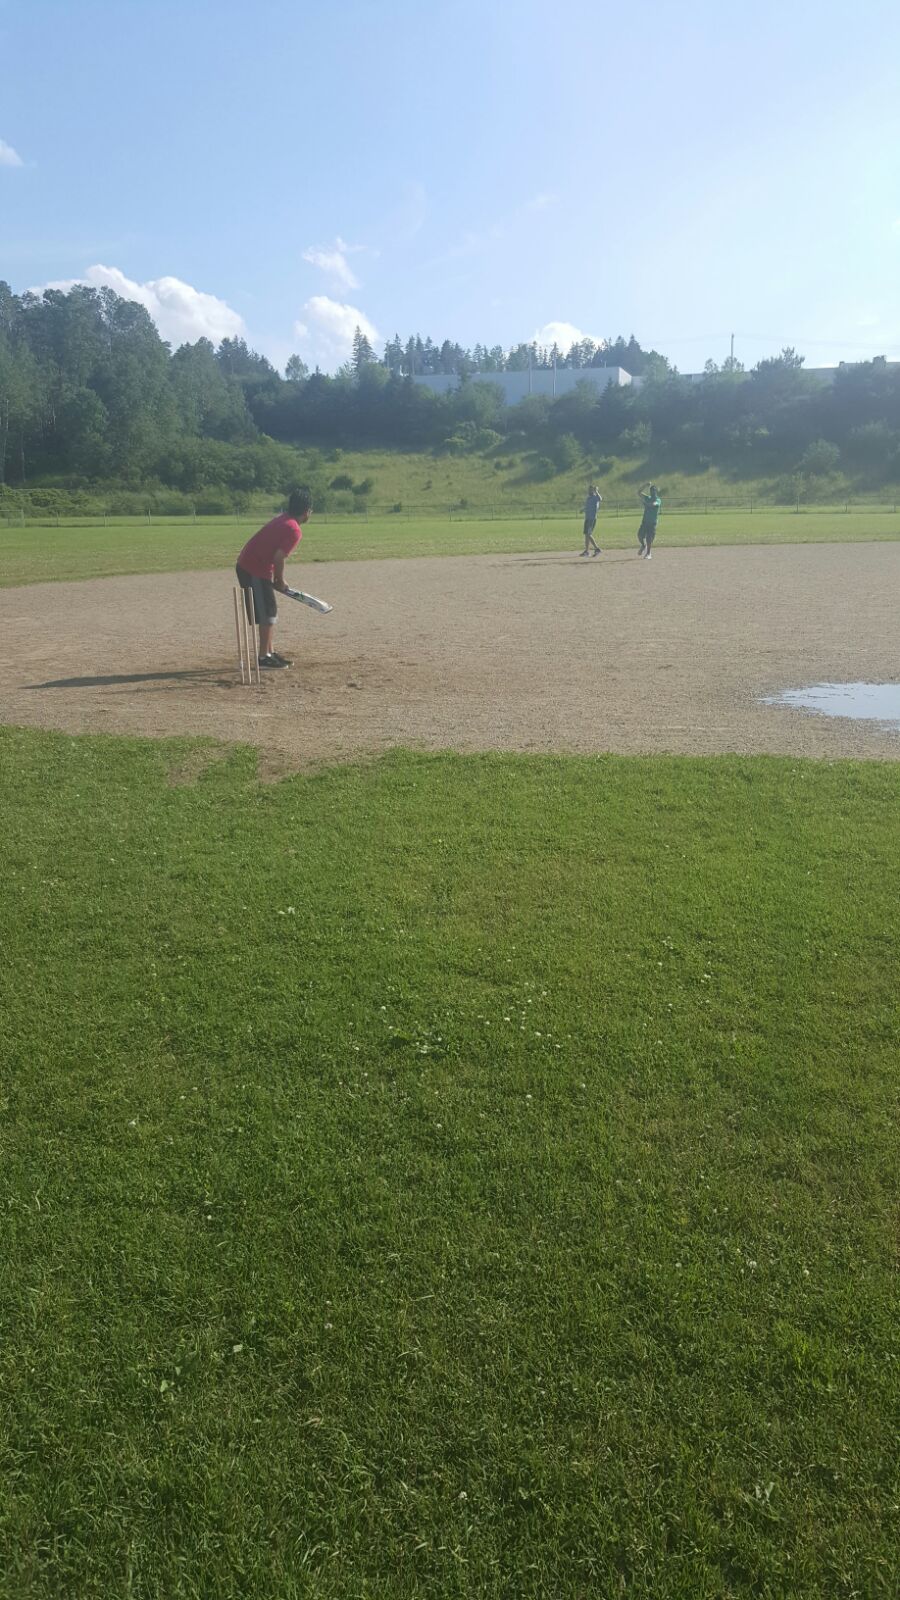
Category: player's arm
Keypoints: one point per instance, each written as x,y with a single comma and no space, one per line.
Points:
278,571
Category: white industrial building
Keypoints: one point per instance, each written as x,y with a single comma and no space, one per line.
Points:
830,373
827,374
518,386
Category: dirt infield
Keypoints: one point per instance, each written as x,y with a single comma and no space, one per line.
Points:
525,653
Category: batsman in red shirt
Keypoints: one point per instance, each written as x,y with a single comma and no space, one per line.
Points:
260,571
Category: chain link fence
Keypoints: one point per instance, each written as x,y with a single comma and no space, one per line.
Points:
452,511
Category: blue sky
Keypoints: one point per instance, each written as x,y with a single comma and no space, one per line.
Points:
478,171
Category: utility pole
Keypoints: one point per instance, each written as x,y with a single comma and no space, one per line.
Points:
732,352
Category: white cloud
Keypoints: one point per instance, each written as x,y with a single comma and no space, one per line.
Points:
325,337
332,260
8,156
181,313
564,334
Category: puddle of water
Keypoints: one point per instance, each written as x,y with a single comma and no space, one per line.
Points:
879,702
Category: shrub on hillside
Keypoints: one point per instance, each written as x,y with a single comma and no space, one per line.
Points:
342,481
819,459
464,437
633,440
565,452
364,487
214,504
872,445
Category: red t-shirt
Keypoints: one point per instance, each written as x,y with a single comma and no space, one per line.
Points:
258,554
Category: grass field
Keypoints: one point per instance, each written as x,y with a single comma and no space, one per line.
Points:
40,554
460,1177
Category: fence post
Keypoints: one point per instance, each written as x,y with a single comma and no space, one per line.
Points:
148,515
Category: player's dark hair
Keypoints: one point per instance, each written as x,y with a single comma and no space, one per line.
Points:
653,489
299,502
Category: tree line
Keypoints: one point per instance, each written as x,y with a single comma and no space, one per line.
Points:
90,394
419,357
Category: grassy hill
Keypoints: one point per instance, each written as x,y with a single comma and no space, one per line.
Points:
428,483
423,483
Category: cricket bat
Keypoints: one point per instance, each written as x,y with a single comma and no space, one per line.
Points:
309,600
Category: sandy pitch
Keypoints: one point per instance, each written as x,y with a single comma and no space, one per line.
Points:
526,653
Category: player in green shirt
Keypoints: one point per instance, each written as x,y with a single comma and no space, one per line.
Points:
591,507
652,507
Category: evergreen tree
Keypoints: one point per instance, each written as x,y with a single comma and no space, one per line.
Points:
362,351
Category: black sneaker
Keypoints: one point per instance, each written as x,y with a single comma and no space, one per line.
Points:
270,663
280,661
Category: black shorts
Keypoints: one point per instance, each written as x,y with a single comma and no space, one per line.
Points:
647,532
265,605
590,524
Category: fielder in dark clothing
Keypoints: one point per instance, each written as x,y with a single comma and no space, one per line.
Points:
652,508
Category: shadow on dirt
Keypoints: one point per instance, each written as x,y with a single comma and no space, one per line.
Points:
566,561
198,675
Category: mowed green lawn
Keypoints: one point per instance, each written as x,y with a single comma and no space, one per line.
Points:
40,554
447,1177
